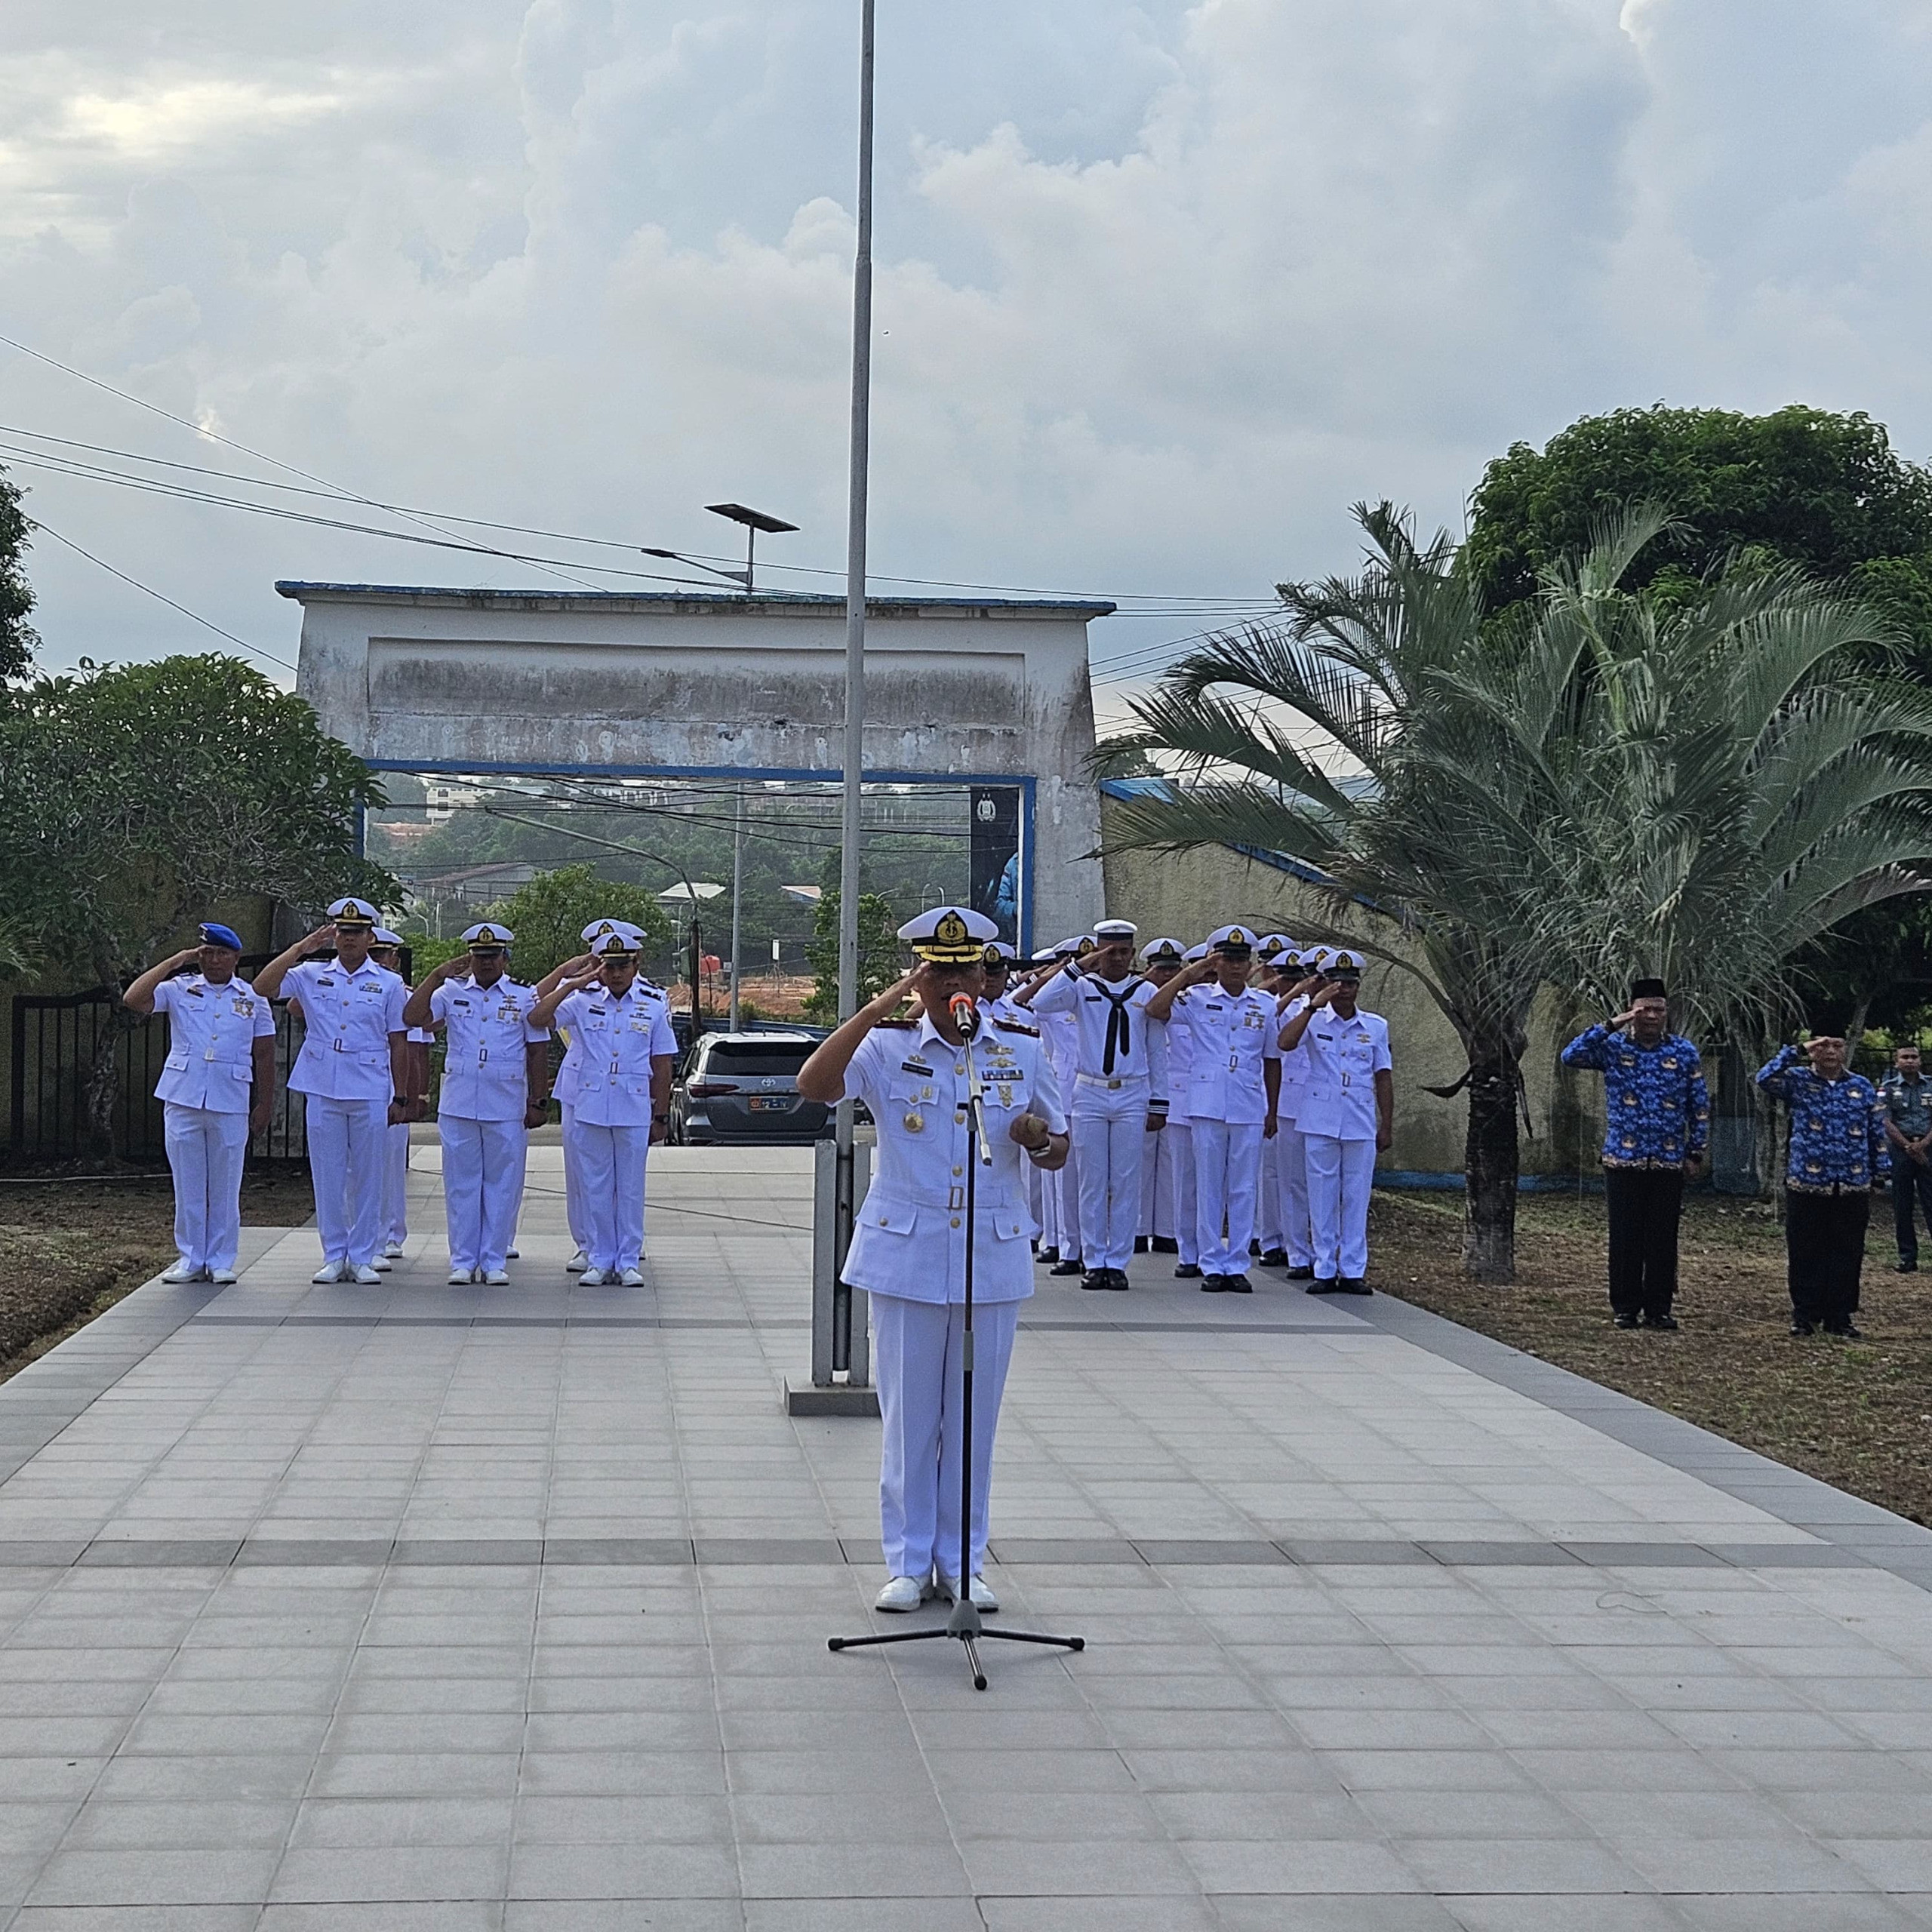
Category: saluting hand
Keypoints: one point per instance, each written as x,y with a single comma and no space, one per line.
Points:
322,936
1324,993
1623,1018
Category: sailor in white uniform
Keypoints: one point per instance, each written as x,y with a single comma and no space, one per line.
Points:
1060,1033
353,1075
215,1091
909,1242
1233,1078
1160,961
622,1099
495,1066
386,951
1346,1113
563,1091
1300,976
1119,1092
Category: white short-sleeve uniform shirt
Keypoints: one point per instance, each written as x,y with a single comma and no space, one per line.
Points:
615,1041
349,1018
1337,1096
1231,1037
212,1036
485,1031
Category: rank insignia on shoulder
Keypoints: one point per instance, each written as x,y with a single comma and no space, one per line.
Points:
897,1024
1015,1027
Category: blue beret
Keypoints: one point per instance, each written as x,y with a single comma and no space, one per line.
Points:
214,935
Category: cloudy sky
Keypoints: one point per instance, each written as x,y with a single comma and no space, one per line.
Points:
1162,288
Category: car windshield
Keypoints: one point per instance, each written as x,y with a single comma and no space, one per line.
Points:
736,1059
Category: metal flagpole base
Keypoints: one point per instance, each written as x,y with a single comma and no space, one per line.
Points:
965,1625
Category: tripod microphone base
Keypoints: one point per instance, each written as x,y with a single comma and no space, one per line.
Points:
964,1626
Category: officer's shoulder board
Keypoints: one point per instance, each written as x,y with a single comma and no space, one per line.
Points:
1015,1027
907,1025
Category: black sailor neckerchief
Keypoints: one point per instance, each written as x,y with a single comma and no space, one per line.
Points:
1120,1029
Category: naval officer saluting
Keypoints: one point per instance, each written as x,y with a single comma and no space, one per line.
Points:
353,1076
220,1044
495,1065
908,1243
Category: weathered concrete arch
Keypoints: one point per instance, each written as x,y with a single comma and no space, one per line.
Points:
956,689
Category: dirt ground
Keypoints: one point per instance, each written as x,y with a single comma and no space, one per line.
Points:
70,1249
1858,1415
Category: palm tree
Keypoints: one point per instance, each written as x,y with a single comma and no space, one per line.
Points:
1593,784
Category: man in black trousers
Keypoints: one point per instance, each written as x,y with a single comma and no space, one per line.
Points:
1659,1121
1908,1098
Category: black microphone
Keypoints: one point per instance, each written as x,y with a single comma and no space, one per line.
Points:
965,1011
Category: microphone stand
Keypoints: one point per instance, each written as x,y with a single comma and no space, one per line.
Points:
964,1623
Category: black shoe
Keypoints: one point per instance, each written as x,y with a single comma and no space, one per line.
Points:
1301,1274
1275,1258
1140,1245
1072,1267
1187,1270
1665,1321
1801,1327
1094,1278
1166,1244
1623,1318
1117,1280
1213,1284
1325,1287
1236,1284
1845,1332
1351,1284
1046,1255
1905,1267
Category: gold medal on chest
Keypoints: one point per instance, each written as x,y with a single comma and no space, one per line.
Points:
915,1123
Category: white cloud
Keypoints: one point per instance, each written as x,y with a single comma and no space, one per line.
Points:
1161,288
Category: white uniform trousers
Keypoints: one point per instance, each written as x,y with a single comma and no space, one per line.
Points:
1157,1186
348,1141
483,1165
1291,1168
1179,1135
573,1209
916,1353
1268,1198
206,1151
1065,1182
1340,1174
395,1186
1108,1134
611,1160
1227,1167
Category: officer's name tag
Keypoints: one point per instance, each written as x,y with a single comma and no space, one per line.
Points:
915,1066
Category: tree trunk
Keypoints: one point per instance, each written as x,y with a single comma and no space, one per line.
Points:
1489,1154
102,1092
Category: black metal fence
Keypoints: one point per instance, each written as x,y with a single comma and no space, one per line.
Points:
55,1039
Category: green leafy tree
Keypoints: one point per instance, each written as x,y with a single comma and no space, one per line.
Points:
879,954
133,798
1601,784
17,635
550,914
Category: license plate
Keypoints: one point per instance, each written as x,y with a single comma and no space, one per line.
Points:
775,1106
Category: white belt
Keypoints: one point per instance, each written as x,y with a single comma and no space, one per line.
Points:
1110,1083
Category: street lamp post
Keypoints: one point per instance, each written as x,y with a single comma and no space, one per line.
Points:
737,893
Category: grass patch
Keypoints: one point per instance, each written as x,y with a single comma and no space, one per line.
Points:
1857,1415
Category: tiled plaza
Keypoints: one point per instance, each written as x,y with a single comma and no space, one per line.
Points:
417,1607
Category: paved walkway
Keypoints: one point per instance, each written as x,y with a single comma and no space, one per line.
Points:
415,1608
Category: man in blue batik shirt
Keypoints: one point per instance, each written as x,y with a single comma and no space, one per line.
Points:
1838,1156
1659,1121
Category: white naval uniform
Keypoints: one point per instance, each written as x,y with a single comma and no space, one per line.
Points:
1290,1159
1112,1094
609,1122
204,1091
1179,1131
1059,1190
344,1074
480,1114
1336,1117
395,1164
1232,1036
908,1253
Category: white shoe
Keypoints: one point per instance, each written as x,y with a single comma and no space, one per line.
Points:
511,1254
902,1593
497,1277
980,1592
180,1272
592,1278
393,1252
382,1264
329,1271
223,1278
632,1278
366,1277
461,1278
578,1262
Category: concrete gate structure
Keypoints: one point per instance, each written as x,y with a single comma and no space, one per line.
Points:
958,691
